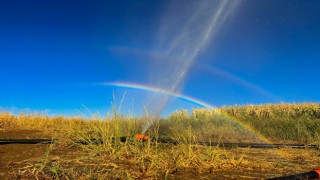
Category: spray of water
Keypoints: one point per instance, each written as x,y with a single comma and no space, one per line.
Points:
185,30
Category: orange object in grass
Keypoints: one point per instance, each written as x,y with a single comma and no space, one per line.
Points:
317,170
145,138
141,137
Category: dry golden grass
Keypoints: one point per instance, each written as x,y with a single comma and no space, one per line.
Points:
113,159
293,123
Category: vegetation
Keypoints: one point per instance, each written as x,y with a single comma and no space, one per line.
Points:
113,159
295,123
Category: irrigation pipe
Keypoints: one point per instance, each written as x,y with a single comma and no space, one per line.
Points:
26,141
167,141
314,174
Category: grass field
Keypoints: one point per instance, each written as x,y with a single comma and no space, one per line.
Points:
113,159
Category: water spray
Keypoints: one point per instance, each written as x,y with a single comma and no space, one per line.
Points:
185,30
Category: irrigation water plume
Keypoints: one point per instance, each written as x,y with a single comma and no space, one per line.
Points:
185,30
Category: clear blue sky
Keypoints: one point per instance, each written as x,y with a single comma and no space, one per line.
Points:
53,53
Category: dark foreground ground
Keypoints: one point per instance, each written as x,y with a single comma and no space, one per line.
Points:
17,157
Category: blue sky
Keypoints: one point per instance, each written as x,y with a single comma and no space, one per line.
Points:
54,54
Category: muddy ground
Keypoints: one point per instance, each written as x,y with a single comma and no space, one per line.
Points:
15,157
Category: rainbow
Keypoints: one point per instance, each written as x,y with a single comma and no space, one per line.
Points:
161,91
192,100
247,127
237,80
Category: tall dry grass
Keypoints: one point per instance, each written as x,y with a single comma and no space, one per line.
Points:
292,123
298,123
102,155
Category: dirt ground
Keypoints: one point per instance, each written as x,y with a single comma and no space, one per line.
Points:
13,157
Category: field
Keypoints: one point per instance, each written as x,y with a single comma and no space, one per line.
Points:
94,149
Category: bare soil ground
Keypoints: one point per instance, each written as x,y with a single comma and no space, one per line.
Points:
15,157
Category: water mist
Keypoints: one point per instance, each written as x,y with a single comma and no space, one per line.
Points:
185,29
